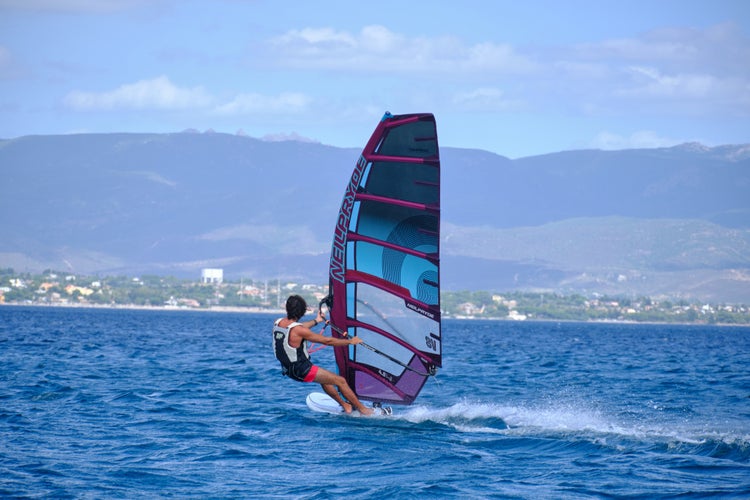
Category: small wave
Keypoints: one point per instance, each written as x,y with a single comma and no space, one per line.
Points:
464,417
724,446
127,397
55,393
239,436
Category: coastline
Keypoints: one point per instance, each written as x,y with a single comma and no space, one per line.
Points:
276,311
221,309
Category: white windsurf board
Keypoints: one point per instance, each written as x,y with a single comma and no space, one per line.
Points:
323,403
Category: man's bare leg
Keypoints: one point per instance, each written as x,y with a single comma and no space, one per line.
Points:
331,391
324,377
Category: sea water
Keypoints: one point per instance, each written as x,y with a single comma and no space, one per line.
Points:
130,404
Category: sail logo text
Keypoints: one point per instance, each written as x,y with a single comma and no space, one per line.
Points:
338,251
386,375
421,311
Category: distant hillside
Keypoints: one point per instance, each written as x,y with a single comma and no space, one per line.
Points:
683,182
669,221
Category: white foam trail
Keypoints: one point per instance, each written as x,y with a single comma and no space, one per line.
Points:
563,418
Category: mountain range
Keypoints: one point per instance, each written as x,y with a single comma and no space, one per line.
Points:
666,222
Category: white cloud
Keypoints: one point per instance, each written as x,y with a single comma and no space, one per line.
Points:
316,38
161,94
651,82
702,94
638,139
581,70
690,56
287,102
672,71
495,57
647,48
485,99
718,49
377,49
157,93
76,6
380,40
678,70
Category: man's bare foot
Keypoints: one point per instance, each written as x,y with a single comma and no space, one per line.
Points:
347,407
366,411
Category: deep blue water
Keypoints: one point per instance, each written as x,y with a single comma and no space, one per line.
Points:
126,404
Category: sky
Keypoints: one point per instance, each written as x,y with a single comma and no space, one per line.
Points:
515,78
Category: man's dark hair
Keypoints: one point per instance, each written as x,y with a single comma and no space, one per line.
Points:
296,307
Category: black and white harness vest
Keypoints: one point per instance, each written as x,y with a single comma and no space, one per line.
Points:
294,361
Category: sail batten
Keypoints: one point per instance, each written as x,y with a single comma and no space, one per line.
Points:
385,263
406,159
393,201
433,256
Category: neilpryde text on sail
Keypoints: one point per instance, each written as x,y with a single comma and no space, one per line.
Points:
338,254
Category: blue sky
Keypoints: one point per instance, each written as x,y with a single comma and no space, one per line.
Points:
515,78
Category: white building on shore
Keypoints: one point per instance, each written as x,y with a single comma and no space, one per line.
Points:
212,275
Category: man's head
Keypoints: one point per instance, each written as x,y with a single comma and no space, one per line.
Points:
296,307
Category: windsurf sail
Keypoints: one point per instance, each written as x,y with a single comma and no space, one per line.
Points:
384,279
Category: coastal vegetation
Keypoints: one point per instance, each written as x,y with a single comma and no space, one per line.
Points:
64,289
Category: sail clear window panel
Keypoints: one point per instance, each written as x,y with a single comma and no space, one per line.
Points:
354,217
417,139
419,276
351,300
377,386
368,387
389,313
350,255
367,357
365,174
415,182
403,226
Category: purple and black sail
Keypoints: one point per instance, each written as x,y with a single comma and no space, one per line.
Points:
385,263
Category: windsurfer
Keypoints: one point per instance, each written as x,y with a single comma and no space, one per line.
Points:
289,336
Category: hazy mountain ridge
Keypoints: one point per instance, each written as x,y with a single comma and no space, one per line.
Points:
653,244
631,221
